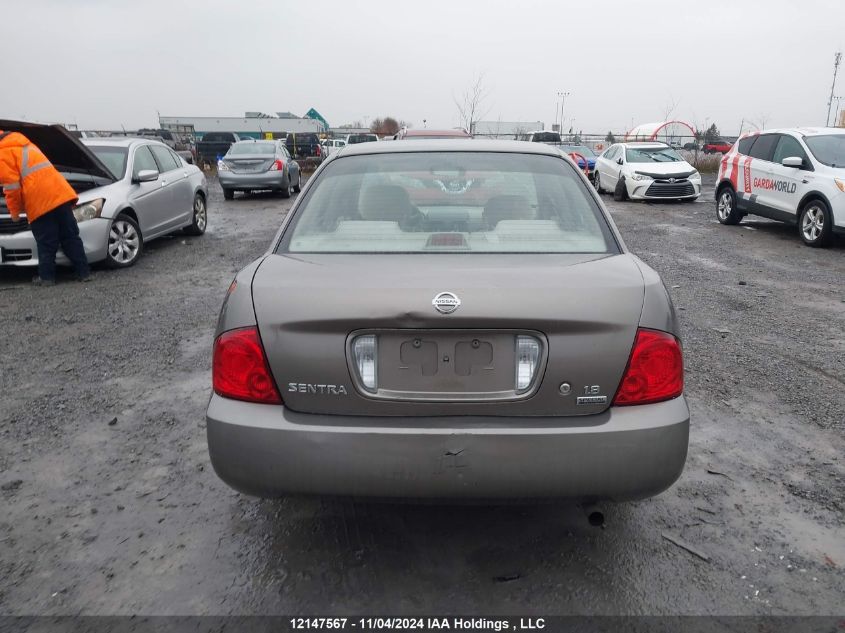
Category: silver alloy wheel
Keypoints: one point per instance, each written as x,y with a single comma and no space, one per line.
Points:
813,223
725,205
123,242
200,213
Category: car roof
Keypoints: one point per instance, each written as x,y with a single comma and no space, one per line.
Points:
120,141
644,144
431,132
804,131
450,145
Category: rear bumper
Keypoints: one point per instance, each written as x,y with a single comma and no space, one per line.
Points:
20,249
263,180
624,453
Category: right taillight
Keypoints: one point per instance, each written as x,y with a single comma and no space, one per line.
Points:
239,369
655,370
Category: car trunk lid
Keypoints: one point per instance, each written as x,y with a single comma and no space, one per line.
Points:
249,163
582,310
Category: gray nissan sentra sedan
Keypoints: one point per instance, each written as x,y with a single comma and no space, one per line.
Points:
448,319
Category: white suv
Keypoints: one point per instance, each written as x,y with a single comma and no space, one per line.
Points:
793,175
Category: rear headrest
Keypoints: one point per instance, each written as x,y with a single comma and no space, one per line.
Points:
385,203
507,208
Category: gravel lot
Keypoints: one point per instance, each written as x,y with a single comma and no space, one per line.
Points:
110,505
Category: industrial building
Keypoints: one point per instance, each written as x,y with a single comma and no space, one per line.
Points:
505,129
252,124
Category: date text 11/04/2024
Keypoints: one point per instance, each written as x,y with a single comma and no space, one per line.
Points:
418,624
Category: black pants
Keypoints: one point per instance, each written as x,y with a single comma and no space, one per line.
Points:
54,228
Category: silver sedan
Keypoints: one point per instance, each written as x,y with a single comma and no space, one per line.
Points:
130,191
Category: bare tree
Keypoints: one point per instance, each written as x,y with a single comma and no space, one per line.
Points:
471,106
761,121
518,132
387,126
669,108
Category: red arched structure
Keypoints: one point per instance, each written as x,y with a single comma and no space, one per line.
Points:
666,131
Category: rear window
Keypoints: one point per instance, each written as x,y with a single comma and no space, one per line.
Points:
764,147
252,148
745,145
361,138
311,138
220,137
448,202
546,137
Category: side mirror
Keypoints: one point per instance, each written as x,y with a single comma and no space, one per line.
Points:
619,161
146,175
793,161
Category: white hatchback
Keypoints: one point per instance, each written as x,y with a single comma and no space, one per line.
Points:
794,175
646,171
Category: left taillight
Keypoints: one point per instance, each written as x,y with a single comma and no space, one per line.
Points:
240,370
655,370
277,165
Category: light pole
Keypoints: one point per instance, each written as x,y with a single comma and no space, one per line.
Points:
557,109
836,113
562,95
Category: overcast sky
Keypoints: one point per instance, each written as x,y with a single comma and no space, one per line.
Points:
106,63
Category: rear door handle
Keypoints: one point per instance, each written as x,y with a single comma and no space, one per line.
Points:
163,183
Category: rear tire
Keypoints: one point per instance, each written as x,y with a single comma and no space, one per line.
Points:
815,224
620,194
228,194
125,243
298,186
200,217
726,211
285,191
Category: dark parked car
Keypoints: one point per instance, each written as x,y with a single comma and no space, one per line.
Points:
182,146
214,146
304,145
448,319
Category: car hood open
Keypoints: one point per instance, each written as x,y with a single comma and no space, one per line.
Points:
61,148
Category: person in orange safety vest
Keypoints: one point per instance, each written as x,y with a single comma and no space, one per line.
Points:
34,187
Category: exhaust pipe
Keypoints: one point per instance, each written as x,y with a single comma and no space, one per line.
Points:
595,516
